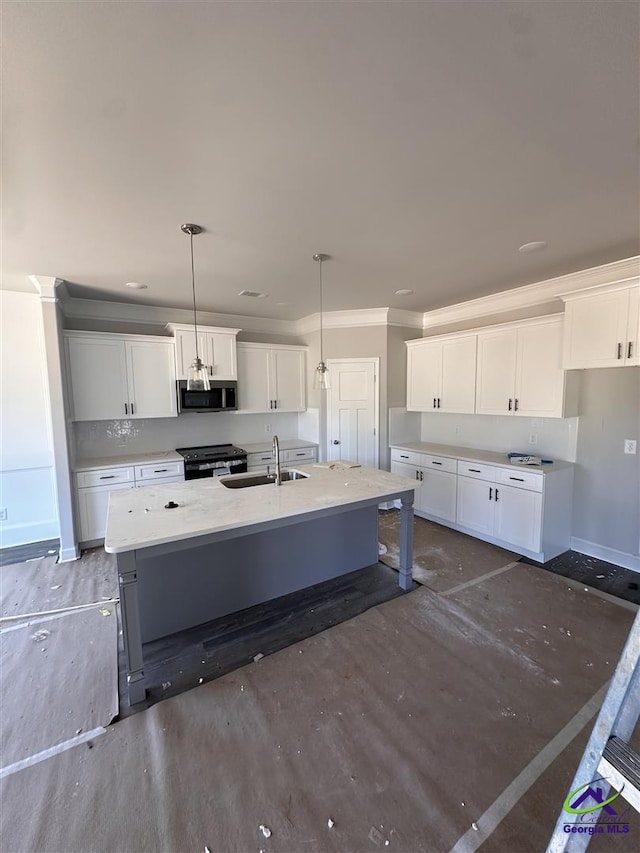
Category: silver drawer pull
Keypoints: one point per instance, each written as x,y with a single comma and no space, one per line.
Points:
110,477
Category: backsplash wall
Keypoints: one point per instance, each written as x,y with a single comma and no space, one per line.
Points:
556,437
93,439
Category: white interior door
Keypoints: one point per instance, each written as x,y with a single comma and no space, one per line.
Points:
353,410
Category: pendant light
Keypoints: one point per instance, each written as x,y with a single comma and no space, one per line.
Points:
197,376
321,379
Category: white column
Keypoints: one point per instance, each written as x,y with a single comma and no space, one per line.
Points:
47,287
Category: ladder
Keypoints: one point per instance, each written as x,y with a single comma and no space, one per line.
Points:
608,761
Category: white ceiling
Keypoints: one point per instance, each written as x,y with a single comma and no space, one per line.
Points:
418,143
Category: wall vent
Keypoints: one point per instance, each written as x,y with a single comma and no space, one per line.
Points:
253,293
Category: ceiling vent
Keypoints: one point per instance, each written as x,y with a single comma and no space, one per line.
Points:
253,293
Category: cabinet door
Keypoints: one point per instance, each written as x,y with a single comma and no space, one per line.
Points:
438,494
475,505
185,343
424,370
253,379
92,504
518,517
458,392
596,330
287,380
98,378
632,350
496,372
412,472
221,355
540,378
151,378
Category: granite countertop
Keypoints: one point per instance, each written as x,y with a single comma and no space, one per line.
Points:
137,517
125,460
285,444
472,454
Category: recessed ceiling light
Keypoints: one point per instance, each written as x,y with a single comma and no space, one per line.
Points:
135,285
404,292
254,294
533,246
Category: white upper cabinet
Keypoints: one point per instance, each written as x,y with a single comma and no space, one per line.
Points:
520,371
216,348
120,376
271,378
441,374
602,327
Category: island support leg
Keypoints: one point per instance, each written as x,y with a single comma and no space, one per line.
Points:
406,541
131,626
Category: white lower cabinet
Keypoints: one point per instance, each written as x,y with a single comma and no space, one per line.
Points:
94,487
92,505
435,489
511,514
525,511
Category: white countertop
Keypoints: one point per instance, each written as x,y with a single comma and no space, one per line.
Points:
137,517
285,444
472,454
126,460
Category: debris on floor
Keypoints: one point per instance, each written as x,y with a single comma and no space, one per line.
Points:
265,830
40,635
330,823
104,611
258,657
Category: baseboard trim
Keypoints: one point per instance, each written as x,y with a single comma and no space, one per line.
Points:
68,555
609,555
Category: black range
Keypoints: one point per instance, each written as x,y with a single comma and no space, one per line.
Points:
215,460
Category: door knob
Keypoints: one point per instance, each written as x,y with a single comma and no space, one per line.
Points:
335,441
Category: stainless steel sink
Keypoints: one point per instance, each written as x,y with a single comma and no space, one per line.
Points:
243,481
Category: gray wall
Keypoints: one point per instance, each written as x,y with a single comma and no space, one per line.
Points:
606,505
397,362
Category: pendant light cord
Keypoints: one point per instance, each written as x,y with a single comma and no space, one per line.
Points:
193,288
321,347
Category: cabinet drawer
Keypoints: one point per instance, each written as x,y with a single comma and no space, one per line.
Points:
261,459
105,477
408,456
520,479
160,470
477,470
299,454
439,463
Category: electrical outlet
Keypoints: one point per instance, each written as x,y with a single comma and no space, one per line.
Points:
268,427
533,438
629,445
3,513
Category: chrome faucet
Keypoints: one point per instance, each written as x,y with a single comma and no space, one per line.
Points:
276,453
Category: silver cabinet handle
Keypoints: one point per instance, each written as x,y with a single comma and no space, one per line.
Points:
421,476
434,402
490,493
510,402
438,402
629,348
515,405
496,495
126,409
132,408
619,350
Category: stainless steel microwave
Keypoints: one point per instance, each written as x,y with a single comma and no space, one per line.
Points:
221,397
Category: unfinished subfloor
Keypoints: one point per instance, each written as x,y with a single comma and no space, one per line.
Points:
408,724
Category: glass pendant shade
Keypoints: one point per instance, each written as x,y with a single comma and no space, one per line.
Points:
197,376
321,378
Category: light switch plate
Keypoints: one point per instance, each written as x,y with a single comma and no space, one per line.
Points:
629,445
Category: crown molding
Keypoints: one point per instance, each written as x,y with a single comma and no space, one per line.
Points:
153,315
48,287
363,317
539,293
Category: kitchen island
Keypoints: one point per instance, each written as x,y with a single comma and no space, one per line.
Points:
219,550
